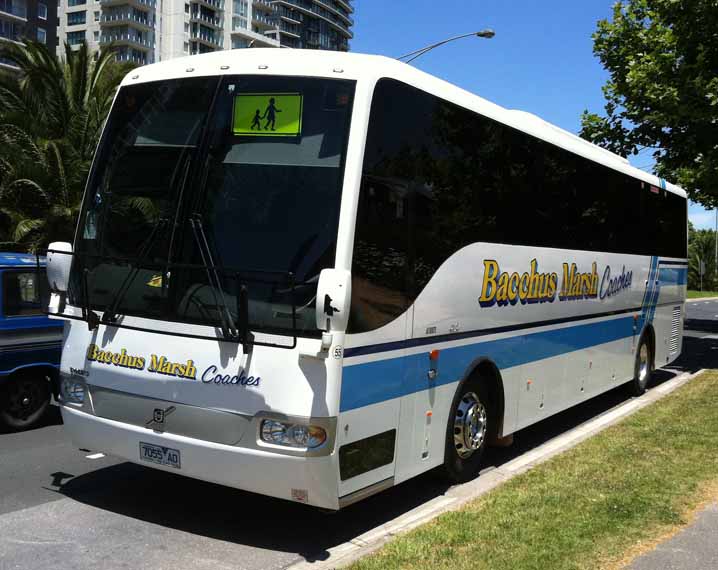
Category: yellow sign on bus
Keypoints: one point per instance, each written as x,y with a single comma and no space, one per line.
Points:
268,115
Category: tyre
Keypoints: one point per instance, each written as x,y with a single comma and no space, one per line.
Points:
643,367
468,432
24,400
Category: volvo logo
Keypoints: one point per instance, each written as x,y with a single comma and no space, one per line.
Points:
158,418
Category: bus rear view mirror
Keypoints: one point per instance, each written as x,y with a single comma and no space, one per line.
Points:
333,295
59,260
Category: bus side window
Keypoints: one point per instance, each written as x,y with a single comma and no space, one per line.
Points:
379,271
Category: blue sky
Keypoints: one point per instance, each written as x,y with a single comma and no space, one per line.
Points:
541,59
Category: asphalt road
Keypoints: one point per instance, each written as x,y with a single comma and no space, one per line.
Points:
62,509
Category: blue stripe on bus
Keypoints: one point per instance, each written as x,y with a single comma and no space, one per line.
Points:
374,382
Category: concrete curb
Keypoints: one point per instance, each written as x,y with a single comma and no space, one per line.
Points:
699,299
344,554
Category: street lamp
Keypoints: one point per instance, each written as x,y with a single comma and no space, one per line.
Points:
488,34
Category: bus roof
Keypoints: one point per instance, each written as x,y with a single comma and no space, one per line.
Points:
19,260
320,63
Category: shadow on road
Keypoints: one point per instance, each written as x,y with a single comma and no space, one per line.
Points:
235,516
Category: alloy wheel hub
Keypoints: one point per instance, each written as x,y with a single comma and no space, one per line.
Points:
469,425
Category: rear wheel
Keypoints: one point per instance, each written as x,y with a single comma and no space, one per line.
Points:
643,367
467,432
24,400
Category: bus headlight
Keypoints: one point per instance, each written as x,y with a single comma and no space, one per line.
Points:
72,389
292,435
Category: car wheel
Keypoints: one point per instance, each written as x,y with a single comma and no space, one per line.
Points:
24,400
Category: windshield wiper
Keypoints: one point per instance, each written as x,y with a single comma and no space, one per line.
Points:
110,314
227,325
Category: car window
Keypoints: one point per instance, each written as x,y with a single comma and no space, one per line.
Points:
25,293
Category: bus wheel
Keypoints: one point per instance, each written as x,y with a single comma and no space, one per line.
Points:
643,367
467,433
24,399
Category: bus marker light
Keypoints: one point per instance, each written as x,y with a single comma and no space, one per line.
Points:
434,355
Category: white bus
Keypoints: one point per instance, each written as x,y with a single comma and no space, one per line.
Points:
314,275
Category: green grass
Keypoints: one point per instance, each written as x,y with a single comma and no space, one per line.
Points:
699,294
586,508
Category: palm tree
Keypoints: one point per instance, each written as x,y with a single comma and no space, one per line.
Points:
51,116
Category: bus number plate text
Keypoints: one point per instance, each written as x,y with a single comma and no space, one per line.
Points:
160,455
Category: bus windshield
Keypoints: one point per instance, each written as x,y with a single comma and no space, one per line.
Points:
209,186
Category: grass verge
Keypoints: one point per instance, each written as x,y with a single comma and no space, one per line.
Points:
701,294
590,507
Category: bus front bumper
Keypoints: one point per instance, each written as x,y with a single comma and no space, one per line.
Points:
310,480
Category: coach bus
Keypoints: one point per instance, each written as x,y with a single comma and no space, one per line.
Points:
315,275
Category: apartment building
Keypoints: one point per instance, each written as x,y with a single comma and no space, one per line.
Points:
28,19
313,24
146,31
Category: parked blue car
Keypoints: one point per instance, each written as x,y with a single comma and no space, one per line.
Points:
30,343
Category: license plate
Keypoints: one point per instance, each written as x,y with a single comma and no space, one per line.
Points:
160,455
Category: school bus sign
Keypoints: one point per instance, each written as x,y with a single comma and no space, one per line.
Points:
268,115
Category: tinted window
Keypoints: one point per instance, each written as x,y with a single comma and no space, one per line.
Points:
22,294
381,262
467,178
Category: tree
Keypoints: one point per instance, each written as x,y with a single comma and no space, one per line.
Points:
662,93
701,247
51,116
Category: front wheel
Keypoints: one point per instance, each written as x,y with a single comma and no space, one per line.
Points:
24,400
467,433
643,367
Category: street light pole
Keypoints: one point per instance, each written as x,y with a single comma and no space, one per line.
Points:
488,34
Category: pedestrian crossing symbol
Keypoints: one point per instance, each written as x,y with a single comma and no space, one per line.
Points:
268,115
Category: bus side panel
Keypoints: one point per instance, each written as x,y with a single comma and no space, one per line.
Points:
370,405
670,310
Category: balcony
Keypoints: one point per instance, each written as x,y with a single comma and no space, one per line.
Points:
214,4
7,64
109,19
141,4
329,8
264,21
347,6
211,40
133,57
319,10
15,40
13,10
132,40
211,21
264,5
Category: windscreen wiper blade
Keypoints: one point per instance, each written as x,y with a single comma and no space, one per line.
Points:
227,325
110,314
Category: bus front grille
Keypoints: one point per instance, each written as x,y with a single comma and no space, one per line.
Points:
206,424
